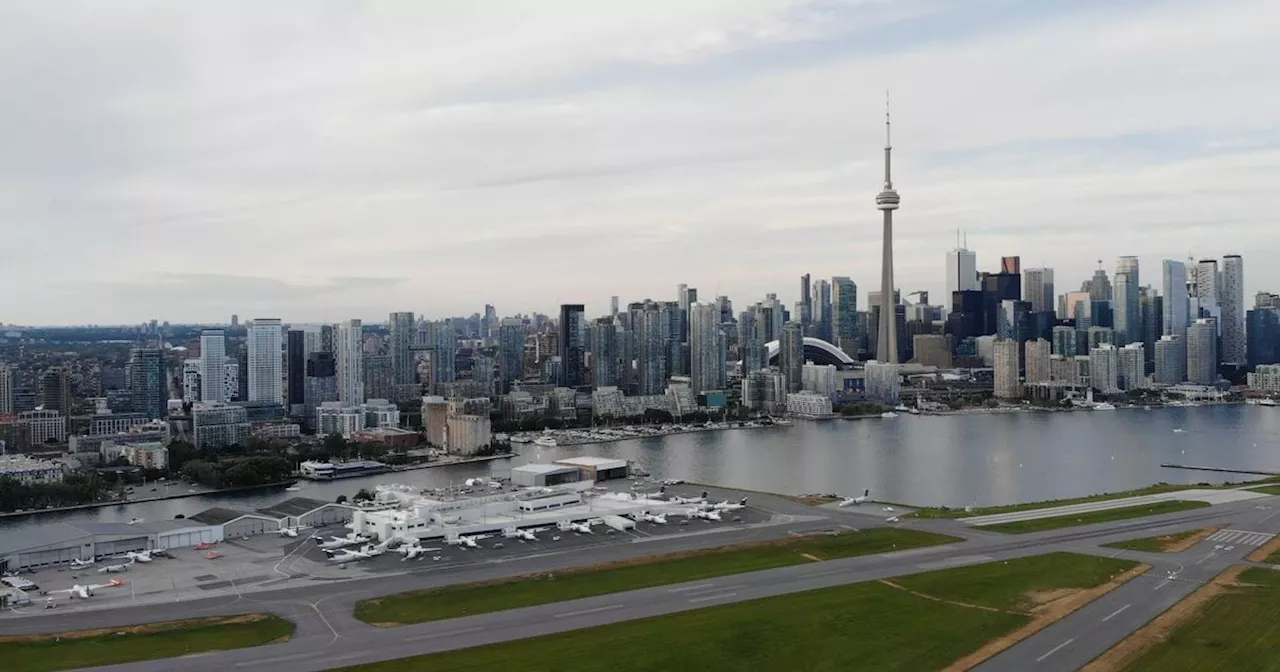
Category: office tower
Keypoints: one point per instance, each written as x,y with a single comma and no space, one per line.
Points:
295,370
349,361
1206,285
962,271
1231,300
751,344
887,201
1010,318
1101,336
1104,368
1171,360
773,328
821,307
511,350
648,346
263,342
213,364
1202,351
1128,311
1174,289
1010,264
1098,287
997,288
149,382
605,363
1064,341
443,341
55,390
403,330
1133,366
806,303
1263,331
707,351
572,347
844,313
932,350
1037,354
6,389
1067,304
1005,365
1037,288
967,316
613,306
791,355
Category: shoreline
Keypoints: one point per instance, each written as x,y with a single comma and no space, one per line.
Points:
145,500
658,434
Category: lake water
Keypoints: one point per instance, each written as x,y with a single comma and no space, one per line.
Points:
954,460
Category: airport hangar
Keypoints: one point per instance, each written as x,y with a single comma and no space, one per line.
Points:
60,543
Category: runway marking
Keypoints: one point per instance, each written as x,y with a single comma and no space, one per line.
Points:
434,635
1055,649
584,612
683,589
1115,613
1162,584
279,659
1208,555
708,598
1268,517
1241,537
729,587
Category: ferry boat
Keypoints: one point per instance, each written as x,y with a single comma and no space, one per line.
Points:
1266,401
888,414
329,471
545,441
1104,406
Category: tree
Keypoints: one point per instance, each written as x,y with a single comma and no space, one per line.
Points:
342,499
334,445
364,496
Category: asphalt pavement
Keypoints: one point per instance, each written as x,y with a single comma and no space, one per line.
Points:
328,636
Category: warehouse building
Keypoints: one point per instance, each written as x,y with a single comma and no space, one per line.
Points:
544,475
236,524
304,512
60,543
595,468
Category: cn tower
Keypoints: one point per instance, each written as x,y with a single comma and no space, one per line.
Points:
887,202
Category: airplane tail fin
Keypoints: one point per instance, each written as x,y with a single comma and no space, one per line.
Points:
704,494
866,493
743,502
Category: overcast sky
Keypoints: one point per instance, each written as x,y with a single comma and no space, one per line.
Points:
331,159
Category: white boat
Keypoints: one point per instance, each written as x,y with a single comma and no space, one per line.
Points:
888,414
1179,430
545,441
1103,406
902,408
1266,402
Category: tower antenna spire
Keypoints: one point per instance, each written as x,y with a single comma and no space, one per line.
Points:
888,146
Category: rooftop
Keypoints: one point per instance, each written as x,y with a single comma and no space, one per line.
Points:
293,507
216,516
541,468
588,461
38,536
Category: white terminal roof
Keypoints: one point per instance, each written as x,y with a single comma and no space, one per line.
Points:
541,468
597,462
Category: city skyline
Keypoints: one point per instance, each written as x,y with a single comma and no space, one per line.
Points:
191,174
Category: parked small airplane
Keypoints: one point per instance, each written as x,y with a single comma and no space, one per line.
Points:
287,532
726,506
205,545
364,553
111,569
866,494
580,528
689,500
413,550
81,564
335,543
132,556
86,592
213,555
658,518
706,515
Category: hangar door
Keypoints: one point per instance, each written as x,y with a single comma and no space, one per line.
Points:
52,556
248,527
118,546
184,538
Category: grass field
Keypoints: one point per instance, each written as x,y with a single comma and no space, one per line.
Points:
947,512
470,599
865,626
1237,630
1104,516
1160,544
72,650
1268,489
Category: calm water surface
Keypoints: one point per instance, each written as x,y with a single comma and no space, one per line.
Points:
931,460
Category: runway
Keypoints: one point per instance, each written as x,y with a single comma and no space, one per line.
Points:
328,636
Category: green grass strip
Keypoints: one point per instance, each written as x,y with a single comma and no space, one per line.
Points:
130,644
1154,544
1103,516
527,591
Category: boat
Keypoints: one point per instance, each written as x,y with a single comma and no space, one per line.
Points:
292,489
888,414
1266,402
1104,406
545,441
1178,430
902,408
328,471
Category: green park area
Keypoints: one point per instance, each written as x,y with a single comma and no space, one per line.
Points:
1239,629
129,644
526,591
1094,517
920,622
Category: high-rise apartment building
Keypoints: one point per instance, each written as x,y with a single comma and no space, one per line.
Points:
605,363
148,382
265,340
6,389
1104,368
822,313
806,302
349,361
443,339
1231,301
751,344
791,355
55,390
1174,285
1128,310
1037,354
572,347
844,314
1133,366
403,332
1152,309
511,350
1202,351
650,324
1005,368
1171,360
1263,330
707,349
213,364
295,371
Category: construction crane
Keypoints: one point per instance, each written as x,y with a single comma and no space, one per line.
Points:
924,297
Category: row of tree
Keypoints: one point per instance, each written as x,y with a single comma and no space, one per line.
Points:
650,416
76,488
238,472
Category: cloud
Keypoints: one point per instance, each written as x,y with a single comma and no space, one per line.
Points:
187,161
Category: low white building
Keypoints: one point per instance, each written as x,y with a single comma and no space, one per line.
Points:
146,455
380,413
809,404
1265,378
332,417
30,470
